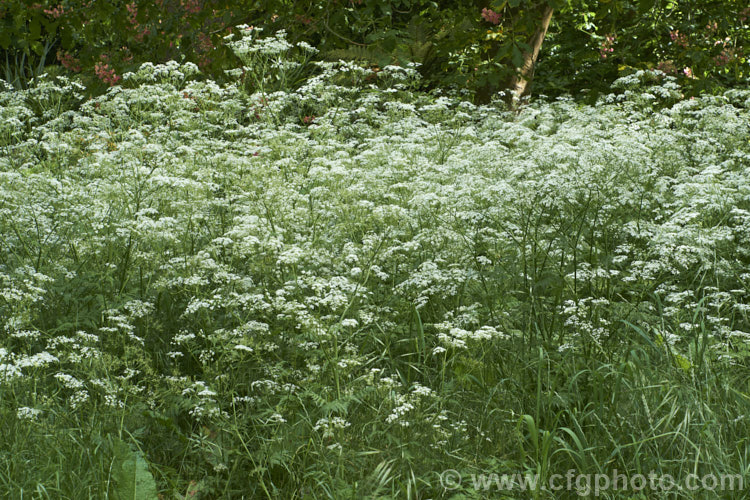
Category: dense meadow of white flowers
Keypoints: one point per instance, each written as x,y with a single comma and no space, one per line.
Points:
321,265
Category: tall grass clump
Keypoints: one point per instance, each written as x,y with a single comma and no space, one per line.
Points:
342,287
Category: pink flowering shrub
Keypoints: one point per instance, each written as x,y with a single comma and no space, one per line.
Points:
203,47
55,12
680,39
106,74
491,16
607,46
190,7
68,61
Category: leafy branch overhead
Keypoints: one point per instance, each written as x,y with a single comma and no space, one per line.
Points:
486,46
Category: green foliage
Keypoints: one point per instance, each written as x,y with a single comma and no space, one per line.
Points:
701,43
130,472
264,306
475,45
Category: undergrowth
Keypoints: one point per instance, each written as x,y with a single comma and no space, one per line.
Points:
343,288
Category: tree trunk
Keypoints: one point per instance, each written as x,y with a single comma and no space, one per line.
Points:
521,83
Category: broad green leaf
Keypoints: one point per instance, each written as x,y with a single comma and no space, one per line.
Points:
66,38
132,478
517,56
389,41
645,6
37,47
35,28
683,363
5,39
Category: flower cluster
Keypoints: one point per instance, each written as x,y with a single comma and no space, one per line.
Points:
242,284
678,38
491,16
606,48
106,74
55,12
68,61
